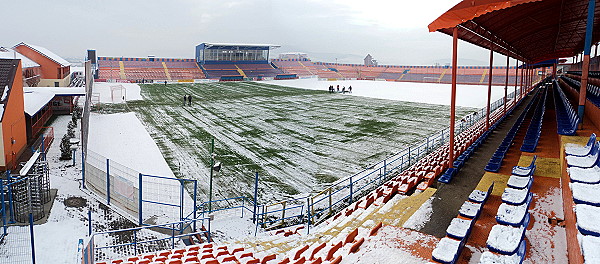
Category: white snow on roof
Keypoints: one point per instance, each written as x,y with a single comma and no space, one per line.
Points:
7,53
46,52
35,98
272,46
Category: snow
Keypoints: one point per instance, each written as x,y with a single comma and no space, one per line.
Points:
421,216
469,209
590,246
446,249
505,238
521,170
478,196
431,93
511,213
587,217
573,149
131,146
35,98
518,181
547,243
4,94
459,227
491,258
102,89
46,52
514,196
583,162
589,193
589,175
12,54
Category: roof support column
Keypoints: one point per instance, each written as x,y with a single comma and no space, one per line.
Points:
516,81
521,88
506,84
453,95
586,60
489,94
554,71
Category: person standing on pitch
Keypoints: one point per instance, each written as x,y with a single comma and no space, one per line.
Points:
350,89
184,99
190,100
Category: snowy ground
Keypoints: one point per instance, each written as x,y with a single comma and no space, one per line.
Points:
111,92
298,140
56,241
429,93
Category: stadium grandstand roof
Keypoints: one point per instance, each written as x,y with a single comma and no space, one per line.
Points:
529,30
47,53
8,53
271,46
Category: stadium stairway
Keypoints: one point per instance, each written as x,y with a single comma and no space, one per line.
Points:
450,196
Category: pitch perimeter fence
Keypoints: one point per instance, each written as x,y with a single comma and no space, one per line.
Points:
313,209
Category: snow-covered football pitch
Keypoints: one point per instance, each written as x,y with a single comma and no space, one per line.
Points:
298,140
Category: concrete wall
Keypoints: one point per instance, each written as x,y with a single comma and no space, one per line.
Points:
50,82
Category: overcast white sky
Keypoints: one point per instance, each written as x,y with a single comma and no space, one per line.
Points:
393,32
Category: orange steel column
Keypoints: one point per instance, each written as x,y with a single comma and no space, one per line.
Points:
489,95
521,88
453,95
506,84
516,80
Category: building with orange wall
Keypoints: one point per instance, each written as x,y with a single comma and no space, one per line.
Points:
55,70
12,113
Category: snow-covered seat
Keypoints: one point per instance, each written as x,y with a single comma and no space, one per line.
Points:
587,217
478,196
513,215
587,175
506,239
519,182
584,193
515,196
585,161
470,210
517,258
448,250
577,150
590,246
525,171
459,228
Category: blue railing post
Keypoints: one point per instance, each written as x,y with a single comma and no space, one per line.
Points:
409,158
308,212
384,166
3,208
32,238
108,181
181,191
82,169
89,222
135,242
195,202
140,198
351,191
255,197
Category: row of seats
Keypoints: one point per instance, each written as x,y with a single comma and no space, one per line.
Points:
593,91
449,248
566,117
495,161
534,131
331,252
207,253
506,240
584,173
